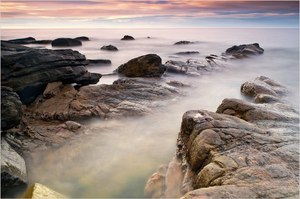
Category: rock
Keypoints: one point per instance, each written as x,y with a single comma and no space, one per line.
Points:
65,42
125,97
52,89
13,169
28,71
155,187
10,48
109,48
127,37
183,43
27,40
82,38
244,50
144,66
11,108
98,61
245,150
187,53
37,191
42,42
72,126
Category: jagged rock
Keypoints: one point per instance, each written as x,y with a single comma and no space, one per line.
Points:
109,48
52,89
245,150
11,108
82,38
123,98
187,53
28,71
98,61
244,50
65,42
144,66
13,169
127,37
183,43
38,191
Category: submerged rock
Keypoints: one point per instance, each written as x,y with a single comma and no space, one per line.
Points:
127,37
187,53
183,43
28,71
144,66
245,150
65,42
38,191
99,61
82,38
109,48
13,169
11,108
244,50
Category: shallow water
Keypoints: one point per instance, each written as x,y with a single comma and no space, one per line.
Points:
115,158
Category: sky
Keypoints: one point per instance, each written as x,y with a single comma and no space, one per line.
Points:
147,14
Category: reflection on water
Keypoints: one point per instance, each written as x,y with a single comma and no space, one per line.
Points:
115,158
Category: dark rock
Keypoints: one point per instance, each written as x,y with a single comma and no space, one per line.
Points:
245,150
65,42
11,108
27,40
244,50
83,38
109,48
42,42
28,71
88,78
183,43
13,169
144,66
8,48
98,61
127,37
187,53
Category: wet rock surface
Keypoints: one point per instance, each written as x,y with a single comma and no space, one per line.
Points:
66,42
11,108
144,66
27,70
13,170
245,150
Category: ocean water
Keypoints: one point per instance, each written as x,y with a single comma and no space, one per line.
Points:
115,158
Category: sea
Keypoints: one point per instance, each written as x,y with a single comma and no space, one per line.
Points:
115,158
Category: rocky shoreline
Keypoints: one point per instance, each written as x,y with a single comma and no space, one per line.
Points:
46,94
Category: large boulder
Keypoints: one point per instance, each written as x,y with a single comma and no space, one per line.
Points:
13,170
245,150
11,108
65,42
127,37
144,66
245,50
28,71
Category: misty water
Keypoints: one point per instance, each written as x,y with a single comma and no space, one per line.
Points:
115,158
